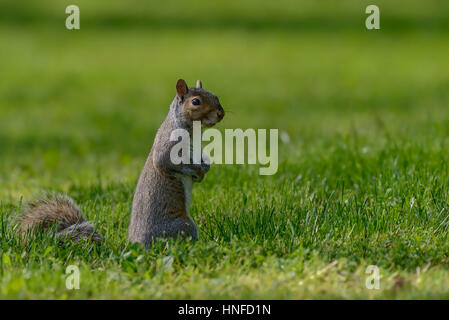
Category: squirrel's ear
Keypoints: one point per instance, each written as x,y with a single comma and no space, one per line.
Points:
181,88
199,85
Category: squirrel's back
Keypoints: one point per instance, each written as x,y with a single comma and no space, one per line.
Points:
60,210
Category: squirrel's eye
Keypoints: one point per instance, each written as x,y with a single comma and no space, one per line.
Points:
196,102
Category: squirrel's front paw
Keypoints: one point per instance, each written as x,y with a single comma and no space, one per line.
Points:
205,167
198,176
205,164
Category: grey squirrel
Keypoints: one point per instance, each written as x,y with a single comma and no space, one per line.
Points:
162,197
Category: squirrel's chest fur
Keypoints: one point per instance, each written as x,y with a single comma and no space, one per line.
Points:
187,183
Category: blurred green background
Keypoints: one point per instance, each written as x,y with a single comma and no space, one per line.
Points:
77,102
363,118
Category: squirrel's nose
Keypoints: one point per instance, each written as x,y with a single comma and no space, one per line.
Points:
220,113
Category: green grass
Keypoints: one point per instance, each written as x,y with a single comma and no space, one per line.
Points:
363,178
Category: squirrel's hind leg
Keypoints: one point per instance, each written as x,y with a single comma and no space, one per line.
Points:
177,228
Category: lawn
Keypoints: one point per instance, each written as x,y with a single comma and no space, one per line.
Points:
363,174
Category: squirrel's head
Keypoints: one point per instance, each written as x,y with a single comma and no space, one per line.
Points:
197,104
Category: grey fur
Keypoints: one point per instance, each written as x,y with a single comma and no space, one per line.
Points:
159,207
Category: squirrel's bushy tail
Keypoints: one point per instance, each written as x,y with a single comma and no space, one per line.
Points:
61,210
